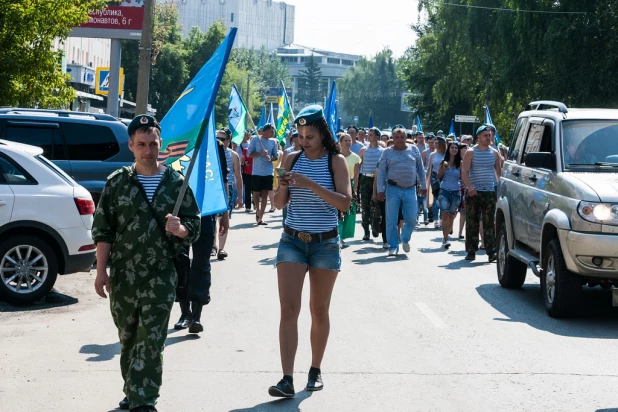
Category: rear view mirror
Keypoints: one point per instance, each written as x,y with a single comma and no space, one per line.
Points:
541,160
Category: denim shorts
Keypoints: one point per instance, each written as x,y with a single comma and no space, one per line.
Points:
449,201
323,255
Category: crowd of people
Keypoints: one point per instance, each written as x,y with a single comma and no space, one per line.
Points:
322,182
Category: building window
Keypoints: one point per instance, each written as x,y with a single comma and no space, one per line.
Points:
332,60
232,18
288,59
289,51
347,62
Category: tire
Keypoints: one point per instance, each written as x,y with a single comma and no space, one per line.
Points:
562,289
43,263
511,272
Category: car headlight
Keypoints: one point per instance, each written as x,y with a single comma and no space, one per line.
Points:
604,213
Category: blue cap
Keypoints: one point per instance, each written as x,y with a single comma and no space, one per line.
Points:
398,126
482,128
140,121
309,114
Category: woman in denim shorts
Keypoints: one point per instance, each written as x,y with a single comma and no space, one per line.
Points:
315,187
450,186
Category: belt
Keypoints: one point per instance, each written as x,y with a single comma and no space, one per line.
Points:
393,183
367,174
311,238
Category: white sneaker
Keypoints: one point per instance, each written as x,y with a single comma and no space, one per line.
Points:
406,247
392,252
384,246
439,224
435,224
446,244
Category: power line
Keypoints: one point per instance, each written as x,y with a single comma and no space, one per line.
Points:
435,2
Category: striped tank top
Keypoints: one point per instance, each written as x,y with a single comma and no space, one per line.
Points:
231,181
307,212
482,172
370,160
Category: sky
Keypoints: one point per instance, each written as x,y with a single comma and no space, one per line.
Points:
362,27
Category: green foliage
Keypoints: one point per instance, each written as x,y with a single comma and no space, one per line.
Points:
466,57
30,69
170,76
372,87
310,87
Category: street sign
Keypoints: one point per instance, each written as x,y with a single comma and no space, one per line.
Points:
466,119
102,81
355,119
121,19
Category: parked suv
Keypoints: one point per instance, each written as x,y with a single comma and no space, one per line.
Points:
45,224
87,146
557,209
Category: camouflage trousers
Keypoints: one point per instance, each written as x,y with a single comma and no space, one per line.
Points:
141,315
482,206
366,193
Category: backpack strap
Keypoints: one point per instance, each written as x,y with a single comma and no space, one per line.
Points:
330,166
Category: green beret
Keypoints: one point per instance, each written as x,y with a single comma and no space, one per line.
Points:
142,120
309,114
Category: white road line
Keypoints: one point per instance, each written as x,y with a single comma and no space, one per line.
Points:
431,315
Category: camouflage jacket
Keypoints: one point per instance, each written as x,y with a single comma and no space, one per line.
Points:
124,220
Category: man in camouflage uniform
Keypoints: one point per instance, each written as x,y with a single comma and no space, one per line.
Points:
143,278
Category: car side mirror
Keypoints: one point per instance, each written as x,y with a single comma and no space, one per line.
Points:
541,160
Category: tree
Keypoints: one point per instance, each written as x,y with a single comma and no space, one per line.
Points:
30,69
373,88
310,88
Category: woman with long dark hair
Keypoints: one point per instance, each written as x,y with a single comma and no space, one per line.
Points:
450,190
315,187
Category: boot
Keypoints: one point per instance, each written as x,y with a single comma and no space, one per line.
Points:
185,316
196,314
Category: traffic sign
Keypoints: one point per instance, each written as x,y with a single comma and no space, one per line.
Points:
466,119
355,119
102,81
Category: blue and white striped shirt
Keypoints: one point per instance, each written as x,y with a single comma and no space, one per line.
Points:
307,212
150,184
403,166
370,160
482,170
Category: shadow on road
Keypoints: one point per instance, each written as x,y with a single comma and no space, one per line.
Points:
53,299
268,261
102,353
525,305
284,405
607,410
370,249
242,226
383,259
266,247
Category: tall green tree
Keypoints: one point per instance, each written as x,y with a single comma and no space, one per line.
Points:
373,88
30,69
310,87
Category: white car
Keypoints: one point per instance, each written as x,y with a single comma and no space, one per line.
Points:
45,224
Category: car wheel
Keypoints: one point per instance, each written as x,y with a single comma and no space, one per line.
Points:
28,269
562,289
511,272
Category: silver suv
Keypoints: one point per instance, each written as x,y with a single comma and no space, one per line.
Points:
557,209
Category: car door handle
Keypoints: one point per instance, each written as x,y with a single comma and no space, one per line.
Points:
2,202
533,178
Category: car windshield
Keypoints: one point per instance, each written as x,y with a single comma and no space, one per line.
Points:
56,170
592,143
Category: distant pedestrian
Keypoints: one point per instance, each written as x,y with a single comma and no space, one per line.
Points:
137,235
264,150
433,166
347,225
316,186
246,164
356,145
480,168
370,156
450,190
399,171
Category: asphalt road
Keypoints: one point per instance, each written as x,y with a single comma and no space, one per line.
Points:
423,332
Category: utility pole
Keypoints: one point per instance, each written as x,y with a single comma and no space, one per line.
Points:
143,73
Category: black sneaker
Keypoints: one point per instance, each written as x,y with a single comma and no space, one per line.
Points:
183,323
492,256
471,256
314,382
123,404
366,237
196,327
283,389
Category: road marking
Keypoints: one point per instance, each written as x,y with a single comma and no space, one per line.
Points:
431,315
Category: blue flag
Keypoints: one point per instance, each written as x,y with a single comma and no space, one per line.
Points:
419,126
262,121
370,121
206,180
489,121
183,127
331,111
271,116
452,129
